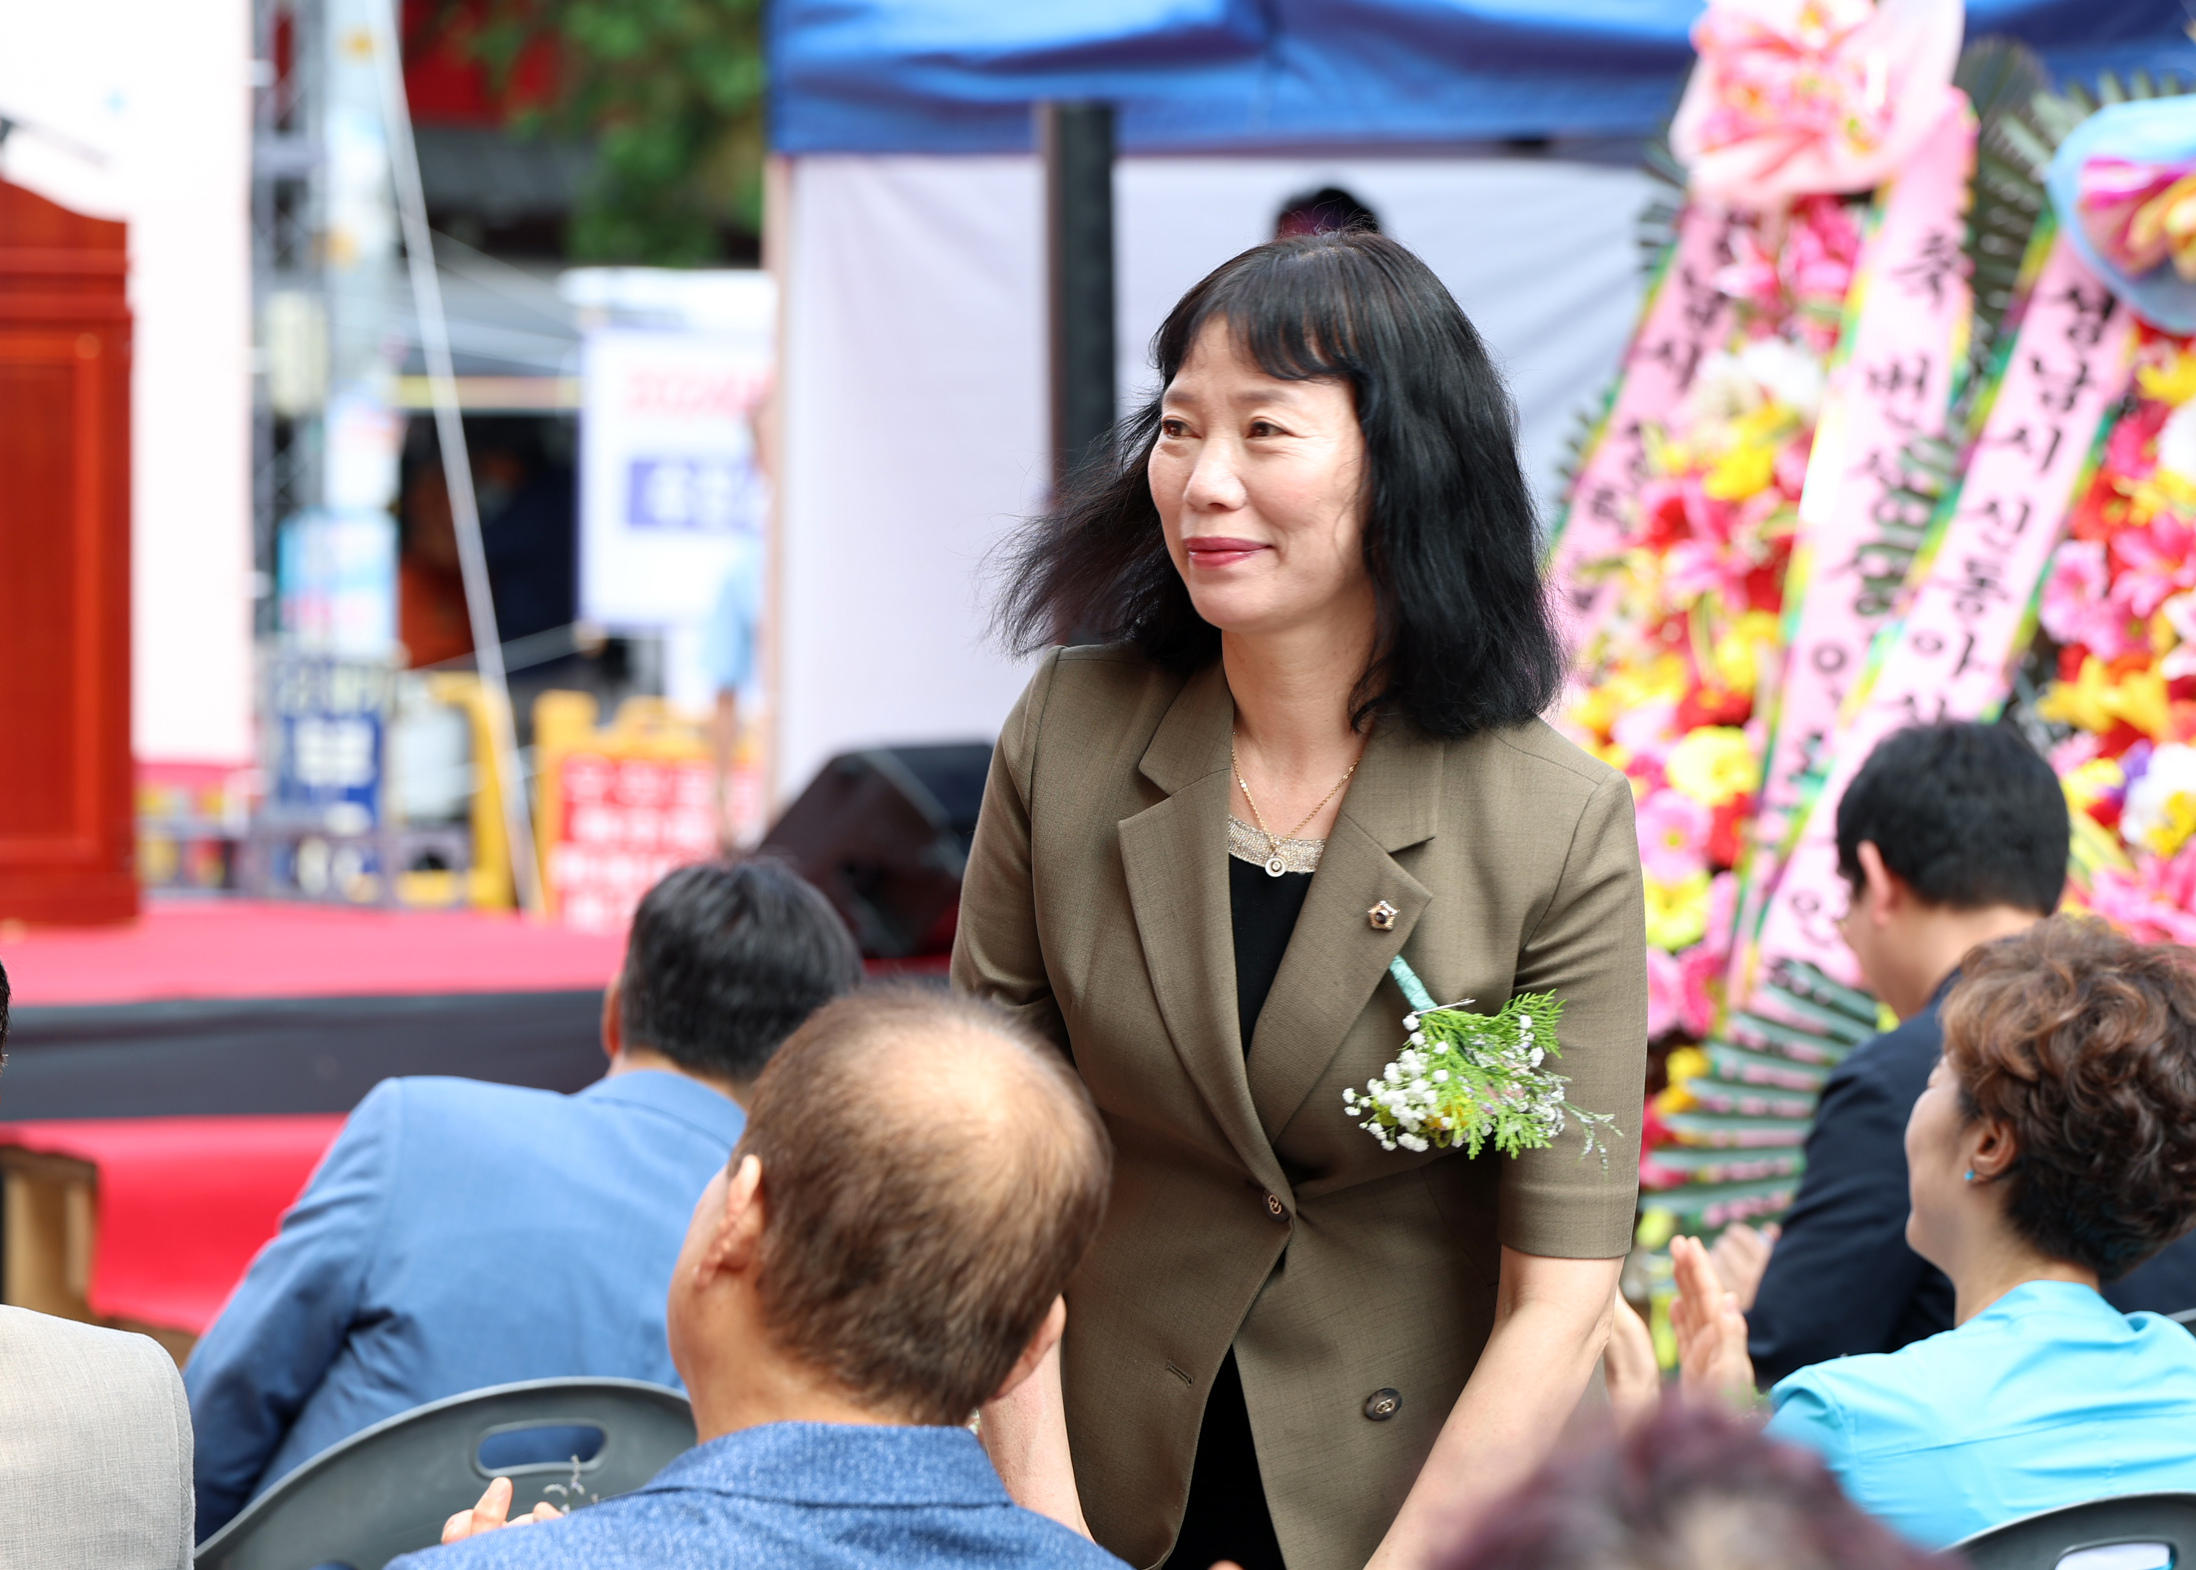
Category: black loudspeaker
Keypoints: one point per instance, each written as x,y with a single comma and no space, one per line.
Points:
885,834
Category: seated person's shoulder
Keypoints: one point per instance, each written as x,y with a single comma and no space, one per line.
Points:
1923,1394
36,1347
95,1429
1896,1064
433,1113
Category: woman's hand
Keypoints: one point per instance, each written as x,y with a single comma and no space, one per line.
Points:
1710,1327
1629,1369
1741,1256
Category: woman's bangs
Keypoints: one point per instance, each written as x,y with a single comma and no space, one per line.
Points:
1287,318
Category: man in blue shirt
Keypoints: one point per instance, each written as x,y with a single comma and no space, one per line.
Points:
917,1182
377,1296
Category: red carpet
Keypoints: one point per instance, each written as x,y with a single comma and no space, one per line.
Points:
184,1203
247,949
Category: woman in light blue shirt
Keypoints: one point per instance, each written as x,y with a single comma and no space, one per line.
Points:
2055,1147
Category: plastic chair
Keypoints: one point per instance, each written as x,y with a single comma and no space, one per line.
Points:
387,1490
2133,1532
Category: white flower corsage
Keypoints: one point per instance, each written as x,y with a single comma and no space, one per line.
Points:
1474,1079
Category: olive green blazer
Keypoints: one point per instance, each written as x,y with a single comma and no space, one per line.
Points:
1247,1206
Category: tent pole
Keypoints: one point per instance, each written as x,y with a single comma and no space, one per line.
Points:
1077,143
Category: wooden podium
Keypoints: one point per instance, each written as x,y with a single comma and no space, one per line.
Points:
67,847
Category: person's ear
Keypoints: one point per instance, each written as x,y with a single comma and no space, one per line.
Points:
1039,1348
735,1237
1991,1149
1883,893
613,1023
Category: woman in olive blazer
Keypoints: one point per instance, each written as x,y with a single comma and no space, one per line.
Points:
1263,1258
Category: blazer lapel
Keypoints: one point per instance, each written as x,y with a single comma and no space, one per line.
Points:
1175,857
1337,959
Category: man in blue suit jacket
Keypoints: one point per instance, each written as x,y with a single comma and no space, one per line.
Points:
461,1234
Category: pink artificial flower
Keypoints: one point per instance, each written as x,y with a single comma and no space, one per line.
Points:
1647,732
1696,569
2154,562
2075,751
1673,836
1751,275
2152,903
1796,97
1665,994
1700,965
2078,605
1822,251
1723,899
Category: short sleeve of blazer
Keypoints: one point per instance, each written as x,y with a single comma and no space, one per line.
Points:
1589,948
996,952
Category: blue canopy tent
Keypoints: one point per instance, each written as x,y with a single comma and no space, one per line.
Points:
958,76
905,228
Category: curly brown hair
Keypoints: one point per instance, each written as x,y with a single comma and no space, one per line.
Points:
2082,1043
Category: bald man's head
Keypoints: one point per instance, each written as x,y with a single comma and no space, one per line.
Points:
931,1178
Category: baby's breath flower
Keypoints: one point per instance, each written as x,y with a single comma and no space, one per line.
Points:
1474,1079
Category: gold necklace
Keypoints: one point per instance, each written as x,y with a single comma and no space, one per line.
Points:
1275,864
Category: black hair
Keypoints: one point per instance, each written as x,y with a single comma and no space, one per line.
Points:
1465,639
4,995
724,961
1328,210
1966,814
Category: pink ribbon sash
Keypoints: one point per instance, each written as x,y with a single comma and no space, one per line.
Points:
1893,381
1971,593
1686,316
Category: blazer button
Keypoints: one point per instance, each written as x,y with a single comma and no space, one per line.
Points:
1383,1404
1275,1208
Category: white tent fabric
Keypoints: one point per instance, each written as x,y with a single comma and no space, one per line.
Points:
914,393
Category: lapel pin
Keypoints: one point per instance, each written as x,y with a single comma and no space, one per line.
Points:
1382,916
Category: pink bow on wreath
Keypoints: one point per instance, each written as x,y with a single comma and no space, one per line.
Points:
1794,98
2139,215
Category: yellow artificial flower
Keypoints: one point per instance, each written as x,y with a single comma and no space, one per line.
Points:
2096,700
1714,764
1685,1065
2173,382
1744,471
2092,783
2179,823
1738,653
1677,913
1595,710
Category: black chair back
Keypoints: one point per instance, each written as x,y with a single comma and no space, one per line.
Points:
387,1490
2134,1532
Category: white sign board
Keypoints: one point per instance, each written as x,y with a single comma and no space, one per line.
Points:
670,495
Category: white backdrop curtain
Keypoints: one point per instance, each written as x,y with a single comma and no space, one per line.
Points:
914,401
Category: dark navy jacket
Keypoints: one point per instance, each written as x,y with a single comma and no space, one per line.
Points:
1841,1279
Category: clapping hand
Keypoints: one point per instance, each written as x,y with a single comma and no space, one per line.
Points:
490,1514
1740,1256
1710,1327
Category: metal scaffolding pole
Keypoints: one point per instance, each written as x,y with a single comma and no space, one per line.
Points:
457,469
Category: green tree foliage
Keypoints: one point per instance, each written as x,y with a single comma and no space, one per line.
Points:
671,93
